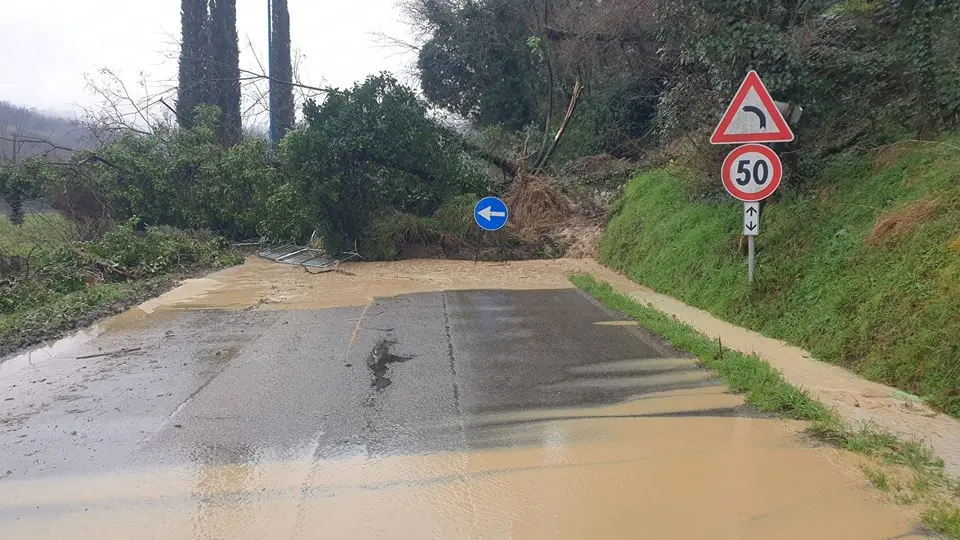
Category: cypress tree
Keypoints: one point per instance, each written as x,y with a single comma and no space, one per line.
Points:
282,107
193,86
225,66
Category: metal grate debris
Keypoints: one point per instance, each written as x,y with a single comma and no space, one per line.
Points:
306,256
299,255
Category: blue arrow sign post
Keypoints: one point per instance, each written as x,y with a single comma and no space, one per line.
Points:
491,214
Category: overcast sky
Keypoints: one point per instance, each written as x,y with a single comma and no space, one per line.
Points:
47,46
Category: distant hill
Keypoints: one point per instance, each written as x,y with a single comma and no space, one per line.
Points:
28,126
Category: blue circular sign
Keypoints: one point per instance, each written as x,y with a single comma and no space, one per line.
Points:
491,214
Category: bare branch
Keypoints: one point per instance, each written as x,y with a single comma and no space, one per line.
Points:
261,76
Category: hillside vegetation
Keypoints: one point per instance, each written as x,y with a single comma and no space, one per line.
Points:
862,269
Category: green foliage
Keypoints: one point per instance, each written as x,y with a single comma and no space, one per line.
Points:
48,318
18,182
368,150
620,110
865,72
389,233
181,178
883,303
944,519
59,267
481,63
159,251
58,280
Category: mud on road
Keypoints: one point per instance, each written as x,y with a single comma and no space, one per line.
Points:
422,399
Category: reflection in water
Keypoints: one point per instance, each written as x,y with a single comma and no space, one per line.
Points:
225,478
60,348
554,444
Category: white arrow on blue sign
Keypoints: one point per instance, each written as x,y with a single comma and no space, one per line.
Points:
491,214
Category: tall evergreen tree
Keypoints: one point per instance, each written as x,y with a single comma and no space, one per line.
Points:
225,67
282,107
194,59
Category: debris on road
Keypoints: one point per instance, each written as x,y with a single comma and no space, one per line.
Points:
307,256
113,353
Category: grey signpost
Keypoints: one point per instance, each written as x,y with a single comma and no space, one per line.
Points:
751,228
752,172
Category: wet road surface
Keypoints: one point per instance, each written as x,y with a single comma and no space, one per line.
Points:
486,413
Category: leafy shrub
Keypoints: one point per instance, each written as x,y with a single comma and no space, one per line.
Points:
122,254
159,251
367,151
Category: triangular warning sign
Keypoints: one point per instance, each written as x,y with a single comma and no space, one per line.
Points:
752,117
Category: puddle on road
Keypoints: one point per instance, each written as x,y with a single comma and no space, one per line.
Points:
73,345
379,360
62,347
602,475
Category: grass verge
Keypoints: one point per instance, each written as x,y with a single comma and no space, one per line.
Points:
906,471
63,313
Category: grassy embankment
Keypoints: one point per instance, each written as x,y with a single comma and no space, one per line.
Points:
863,269
51,283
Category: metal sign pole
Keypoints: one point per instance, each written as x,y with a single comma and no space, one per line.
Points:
751,257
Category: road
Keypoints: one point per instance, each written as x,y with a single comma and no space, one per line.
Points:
267,403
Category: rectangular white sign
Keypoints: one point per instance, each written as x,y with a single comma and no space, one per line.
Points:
751,218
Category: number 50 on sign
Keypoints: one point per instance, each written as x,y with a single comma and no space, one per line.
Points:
752,172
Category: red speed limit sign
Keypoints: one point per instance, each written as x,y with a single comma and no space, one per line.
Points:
752,172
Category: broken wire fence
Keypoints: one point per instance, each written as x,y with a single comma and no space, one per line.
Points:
306,256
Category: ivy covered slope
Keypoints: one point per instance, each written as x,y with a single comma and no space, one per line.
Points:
862,268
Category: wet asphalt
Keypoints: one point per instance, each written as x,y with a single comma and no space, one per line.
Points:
417,373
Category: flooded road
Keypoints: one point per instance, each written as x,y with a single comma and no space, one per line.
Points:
419,400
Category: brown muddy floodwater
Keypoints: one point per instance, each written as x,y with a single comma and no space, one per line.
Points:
604,476
420,399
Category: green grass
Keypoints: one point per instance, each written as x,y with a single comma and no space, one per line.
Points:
39,231
766,389
62,311
877,477
945,519
887,308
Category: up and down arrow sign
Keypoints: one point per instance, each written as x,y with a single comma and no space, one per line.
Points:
751,218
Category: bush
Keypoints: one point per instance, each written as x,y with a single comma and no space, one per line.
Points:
158,251
121,255
368,151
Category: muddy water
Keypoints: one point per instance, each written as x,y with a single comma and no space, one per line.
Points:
677,464
604,475
268,285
